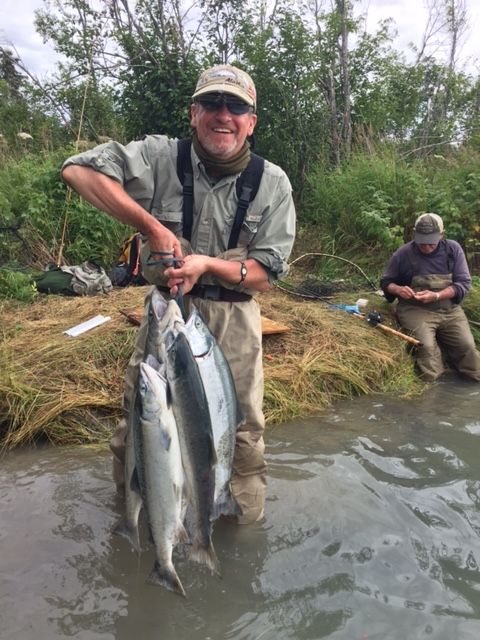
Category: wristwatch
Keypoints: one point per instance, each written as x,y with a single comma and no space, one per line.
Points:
243,272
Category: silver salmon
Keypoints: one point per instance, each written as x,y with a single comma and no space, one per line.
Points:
162,317
128,525
225,413
192,416
163,476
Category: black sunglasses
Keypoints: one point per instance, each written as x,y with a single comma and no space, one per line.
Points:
215,101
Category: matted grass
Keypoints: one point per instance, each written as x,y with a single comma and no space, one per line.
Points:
328,354
65,389
68,390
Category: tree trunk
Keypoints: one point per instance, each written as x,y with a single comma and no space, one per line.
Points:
342,9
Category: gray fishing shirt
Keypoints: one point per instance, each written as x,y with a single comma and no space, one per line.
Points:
147,169
408,261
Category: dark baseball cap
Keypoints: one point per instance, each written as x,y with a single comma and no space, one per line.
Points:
428,229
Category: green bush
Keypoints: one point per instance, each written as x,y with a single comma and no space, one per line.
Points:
34,209
370,204
454,193
471,306
366,203
15,285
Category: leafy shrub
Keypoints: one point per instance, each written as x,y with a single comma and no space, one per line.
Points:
371,203
34,209
454,193
365,203
15,285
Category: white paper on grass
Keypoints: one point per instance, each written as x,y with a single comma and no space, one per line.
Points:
87,325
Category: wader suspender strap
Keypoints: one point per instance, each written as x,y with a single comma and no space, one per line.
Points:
185,175
246,187
412,259
450,258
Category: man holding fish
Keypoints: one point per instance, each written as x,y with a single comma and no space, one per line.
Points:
197,237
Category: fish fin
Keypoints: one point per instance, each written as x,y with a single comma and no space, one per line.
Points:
168,395
151,539
212,451
166,577
225,505
181,534
178,490
179,487
134,481
121,528
206,556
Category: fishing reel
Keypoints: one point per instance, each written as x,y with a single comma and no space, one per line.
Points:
374,318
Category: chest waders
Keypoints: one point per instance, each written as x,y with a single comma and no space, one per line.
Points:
246,188
234,319
430,282
441,326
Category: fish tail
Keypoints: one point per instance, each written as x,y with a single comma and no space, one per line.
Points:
206,555
122,528
166,577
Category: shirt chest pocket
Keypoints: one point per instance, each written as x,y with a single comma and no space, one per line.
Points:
249,228
169,212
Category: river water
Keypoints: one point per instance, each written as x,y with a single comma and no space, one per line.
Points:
372,531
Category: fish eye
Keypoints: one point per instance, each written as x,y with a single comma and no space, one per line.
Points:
198,323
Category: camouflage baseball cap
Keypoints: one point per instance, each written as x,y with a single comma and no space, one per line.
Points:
428,229
224,78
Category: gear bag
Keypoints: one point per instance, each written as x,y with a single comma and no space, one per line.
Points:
127,271
86,279
54,280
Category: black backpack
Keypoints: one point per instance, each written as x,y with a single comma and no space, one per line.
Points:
246,187
128,270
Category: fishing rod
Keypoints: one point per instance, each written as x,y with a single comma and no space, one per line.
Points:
313,290
375,320
332,255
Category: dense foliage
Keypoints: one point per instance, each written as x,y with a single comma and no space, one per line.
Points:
39,222
370,203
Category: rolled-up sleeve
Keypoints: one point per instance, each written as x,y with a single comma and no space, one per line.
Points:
273,242
131,165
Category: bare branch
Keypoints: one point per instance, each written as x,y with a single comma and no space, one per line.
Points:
57,107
